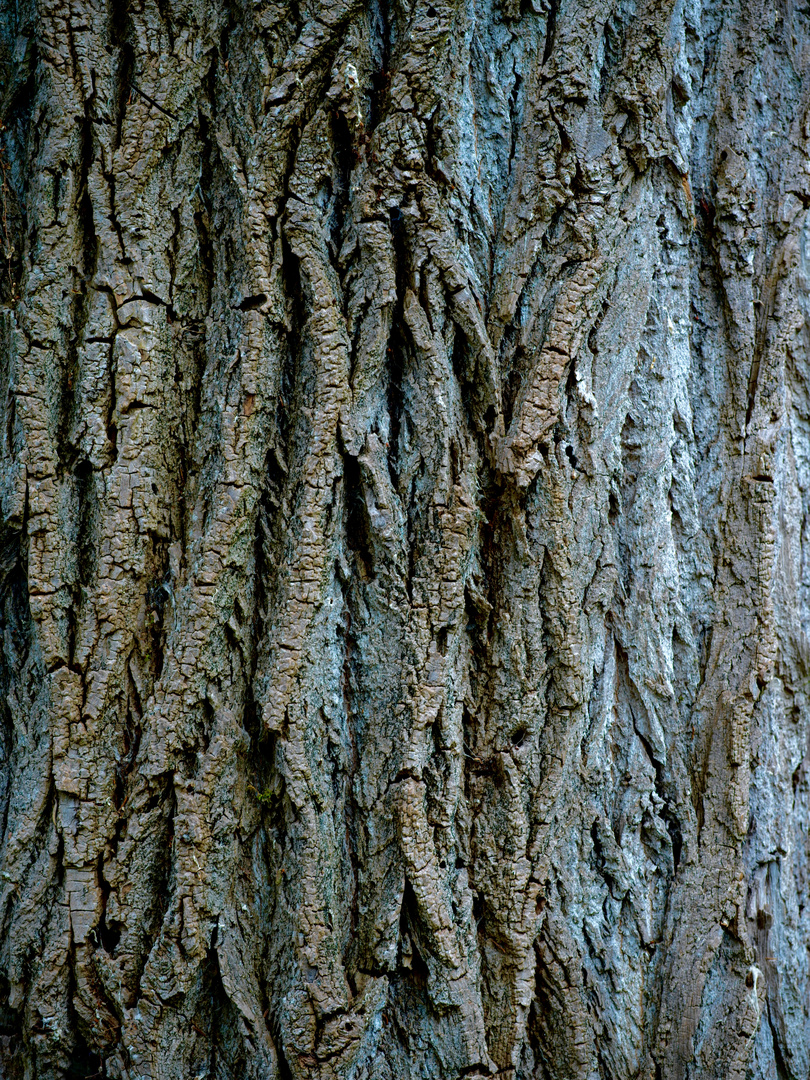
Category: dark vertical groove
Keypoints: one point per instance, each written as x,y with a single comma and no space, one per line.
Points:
120,39
81,290
380,42
398,349
551,28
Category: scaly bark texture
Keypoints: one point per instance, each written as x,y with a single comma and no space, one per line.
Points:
404,556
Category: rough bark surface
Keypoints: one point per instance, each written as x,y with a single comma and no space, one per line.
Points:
404,556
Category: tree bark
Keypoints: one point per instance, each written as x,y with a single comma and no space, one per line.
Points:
404,567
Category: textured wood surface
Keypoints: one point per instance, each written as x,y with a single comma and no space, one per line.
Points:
404,556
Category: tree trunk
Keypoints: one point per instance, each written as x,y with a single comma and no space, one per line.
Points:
404,558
